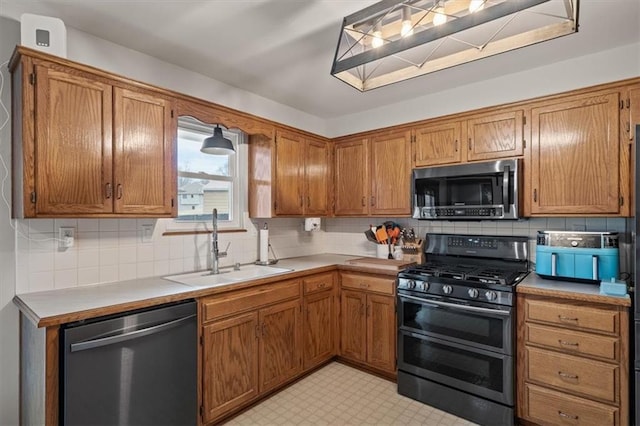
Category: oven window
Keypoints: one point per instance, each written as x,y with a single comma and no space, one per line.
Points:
474,368
449,323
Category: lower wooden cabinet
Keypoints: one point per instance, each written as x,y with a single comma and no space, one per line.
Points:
368,321
252,351
573,362
319,318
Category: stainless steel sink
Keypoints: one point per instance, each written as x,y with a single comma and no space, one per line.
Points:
226,276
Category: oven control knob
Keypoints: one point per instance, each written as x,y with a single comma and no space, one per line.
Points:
425,286
473,292
447,289
491,295
411,284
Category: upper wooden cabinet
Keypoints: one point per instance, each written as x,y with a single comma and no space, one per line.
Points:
87,146
373,176
496,135
437,144
294,171
575,155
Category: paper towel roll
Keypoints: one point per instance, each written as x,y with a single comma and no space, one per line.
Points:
264,245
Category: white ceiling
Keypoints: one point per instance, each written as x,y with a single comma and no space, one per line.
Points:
283,49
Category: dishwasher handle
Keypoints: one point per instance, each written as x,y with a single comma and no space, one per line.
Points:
91,344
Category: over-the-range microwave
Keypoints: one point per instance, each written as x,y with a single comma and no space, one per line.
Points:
487,190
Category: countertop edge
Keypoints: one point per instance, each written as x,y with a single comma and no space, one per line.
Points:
538,286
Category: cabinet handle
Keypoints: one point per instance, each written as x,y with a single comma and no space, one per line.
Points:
567,375
108,190
469,144
264,329
258,331
361,310
562,318
364,202
567,416
373,201
535,195
119,189
364,285
565,343
457,143
321,285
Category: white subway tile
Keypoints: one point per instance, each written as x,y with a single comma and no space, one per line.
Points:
88,276
176,266
127,238
127,254
40,226
68,223
161,251
108,273
43,242
176,248
128,225
556,223
145,253
596,224
41,261
108,239
66,278
108,225
160,268
127,271
88,225
108,257
67,259
41,281
88,240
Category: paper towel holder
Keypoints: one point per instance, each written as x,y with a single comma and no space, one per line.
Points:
269,261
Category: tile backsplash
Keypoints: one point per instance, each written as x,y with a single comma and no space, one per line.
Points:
108,250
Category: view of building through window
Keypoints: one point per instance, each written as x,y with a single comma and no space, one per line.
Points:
205,181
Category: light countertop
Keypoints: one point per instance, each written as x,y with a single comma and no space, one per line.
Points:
534,284
54,307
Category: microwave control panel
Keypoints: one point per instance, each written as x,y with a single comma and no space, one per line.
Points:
458,211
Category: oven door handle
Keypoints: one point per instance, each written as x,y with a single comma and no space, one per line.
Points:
435,303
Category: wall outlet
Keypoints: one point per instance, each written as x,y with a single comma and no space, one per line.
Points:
147,233
66,237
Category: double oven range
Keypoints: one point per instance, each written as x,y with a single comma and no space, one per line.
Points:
456,325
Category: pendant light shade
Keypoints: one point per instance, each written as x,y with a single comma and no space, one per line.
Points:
217,144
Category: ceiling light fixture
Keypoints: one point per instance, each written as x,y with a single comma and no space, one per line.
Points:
374,48
217,144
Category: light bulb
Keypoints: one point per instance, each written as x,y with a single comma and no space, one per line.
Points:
439,18
377,40
407,27
476,5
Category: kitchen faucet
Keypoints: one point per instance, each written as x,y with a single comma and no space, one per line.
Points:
215,253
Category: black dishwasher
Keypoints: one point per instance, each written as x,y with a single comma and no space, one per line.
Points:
136,368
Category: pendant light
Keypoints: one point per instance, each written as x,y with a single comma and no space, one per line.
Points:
217,144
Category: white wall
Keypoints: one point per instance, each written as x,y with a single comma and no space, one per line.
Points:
604,67
9,36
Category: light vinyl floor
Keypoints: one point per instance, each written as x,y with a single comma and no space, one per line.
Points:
340,395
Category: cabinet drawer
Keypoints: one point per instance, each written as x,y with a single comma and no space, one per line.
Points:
579,375
369,283
317,283
215,307
574,316
549,407
574,342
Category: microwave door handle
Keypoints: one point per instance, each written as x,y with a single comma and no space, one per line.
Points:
594,262
554,264
505,187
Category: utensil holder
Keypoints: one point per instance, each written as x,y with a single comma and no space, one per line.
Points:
382,251
413,252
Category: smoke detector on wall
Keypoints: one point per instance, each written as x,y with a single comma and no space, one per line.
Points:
43,33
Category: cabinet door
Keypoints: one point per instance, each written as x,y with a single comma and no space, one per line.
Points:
289,174
381,332
495,136
230,364
391,174
351,180
353,326
575,156
633,119
437,144
280,355
73,152
144,132
319,314
317,178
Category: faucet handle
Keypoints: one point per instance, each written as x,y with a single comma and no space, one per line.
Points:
226,249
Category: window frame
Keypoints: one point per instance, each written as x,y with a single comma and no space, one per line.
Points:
236,178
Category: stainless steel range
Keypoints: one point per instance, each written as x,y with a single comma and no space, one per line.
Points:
456,325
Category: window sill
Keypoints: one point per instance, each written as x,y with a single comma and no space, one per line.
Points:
204,231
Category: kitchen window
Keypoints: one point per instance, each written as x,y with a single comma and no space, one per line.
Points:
207,181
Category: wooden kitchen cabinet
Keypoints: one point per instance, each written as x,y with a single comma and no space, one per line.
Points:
630,117
368,321
573,361
575,156
319,320
437,144
88,146
251,345
495,135
373,175
295,170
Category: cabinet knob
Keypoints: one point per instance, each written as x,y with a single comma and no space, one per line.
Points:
567,416
364,202
119,189
373,201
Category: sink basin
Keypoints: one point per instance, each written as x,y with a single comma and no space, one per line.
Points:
226,276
